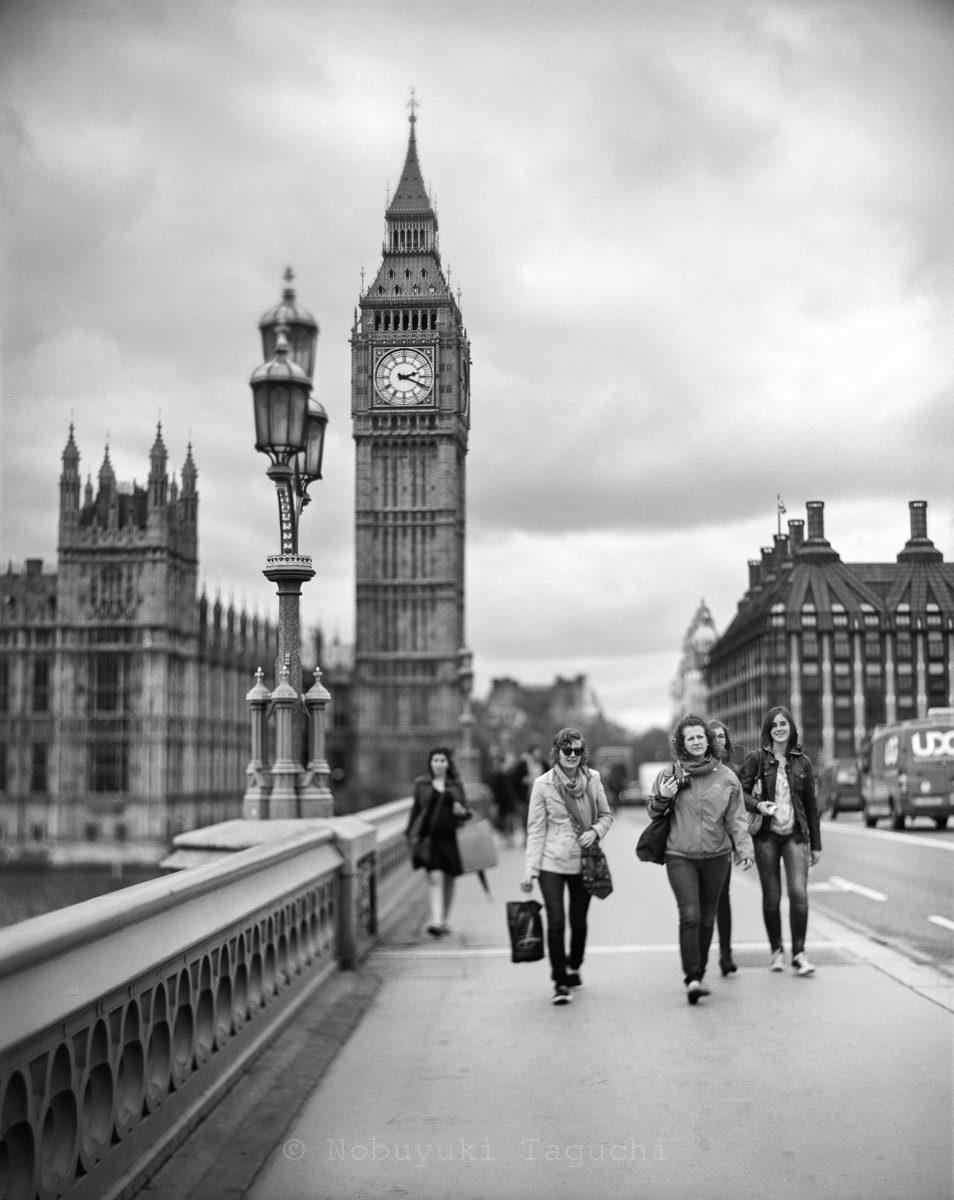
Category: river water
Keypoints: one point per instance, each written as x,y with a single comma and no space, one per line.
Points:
30,893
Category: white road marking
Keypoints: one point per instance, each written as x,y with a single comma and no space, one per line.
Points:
847,886
943,922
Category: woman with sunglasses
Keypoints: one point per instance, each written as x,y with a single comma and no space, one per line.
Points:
706,826
778,783
568,810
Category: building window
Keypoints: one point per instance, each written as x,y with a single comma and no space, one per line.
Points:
41,685
809,617
108,677
933,615
3,766
903,616
839,617
38,768
109,767
4,686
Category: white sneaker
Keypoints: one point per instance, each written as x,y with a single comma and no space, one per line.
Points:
802,966
778,961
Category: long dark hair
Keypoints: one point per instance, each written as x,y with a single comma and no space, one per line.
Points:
679,735
766,735
728,754
452,772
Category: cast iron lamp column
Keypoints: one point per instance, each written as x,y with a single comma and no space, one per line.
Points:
290,429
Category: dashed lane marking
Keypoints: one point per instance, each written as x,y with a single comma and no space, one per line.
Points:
944,922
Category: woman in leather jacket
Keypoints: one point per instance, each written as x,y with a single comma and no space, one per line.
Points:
778,783
439,807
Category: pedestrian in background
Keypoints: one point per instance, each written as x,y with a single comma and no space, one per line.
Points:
503,791
778,783
732,757
553,852
530,766
439,807
707,825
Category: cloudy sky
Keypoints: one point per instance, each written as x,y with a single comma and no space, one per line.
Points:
705,251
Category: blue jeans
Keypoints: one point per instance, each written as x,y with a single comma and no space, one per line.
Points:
552,884
770,852
697,885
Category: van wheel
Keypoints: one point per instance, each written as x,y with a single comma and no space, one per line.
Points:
940,822
897,819
870,822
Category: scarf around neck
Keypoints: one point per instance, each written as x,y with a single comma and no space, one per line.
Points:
693,767
574,789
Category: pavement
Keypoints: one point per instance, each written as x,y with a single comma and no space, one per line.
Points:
441,1069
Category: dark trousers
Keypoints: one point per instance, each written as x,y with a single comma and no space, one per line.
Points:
697,884
770,852
552,884
724,920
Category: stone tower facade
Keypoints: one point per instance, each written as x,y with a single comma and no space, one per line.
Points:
410,403
122,693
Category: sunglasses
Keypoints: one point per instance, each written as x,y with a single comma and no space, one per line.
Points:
571,751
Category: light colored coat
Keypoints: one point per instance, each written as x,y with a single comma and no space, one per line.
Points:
551,840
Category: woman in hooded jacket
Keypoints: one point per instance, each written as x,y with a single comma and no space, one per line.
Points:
778,783
707,826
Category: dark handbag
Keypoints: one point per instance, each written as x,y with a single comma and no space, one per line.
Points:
593,865
596,873
755,818
526,930
651,846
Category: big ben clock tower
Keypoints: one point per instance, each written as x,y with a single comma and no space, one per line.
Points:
410,404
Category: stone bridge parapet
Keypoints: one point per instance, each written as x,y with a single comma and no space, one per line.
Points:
123,1020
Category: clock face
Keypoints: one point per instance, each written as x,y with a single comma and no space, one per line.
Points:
403,376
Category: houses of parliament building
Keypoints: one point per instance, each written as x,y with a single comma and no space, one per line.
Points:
122,714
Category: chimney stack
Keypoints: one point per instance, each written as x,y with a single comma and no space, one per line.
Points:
816,520
796,532
919,545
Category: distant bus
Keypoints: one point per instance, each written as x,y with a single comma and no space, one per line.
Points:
908,770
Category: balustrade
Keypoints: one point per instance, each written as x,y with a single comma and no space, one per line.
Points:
125,1018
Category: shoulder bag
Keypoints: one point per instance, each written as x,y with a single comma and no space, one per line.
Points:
755,818
651,846
593,865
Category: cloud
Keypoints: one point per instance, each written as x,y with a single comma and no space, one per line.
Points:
705,255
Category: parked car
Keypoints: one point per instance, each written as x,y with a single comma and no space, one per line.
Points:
908,770
839,787
632,793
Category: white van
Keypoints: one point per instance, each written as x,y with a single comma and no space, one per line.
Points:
908,770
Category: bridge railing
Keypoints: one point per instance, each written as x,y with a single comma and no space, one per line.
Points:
124,1019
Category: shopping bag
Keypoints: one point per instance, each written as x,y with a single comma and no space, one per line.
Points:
526,930
476,847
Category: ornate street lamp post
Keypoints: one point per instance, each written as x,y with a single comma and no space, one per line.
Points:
290,428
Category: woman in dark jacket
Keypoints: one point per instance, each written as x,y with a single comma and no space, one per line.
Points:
778,783
439,807
731,757
706,829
